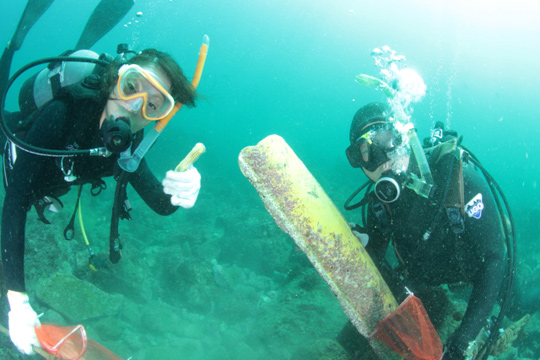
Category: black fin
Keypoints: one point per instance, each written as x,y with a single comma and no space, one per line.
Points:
105,16
5,68
33,11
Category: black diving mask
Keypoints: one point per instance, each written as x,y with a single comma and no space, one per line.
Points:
378,145
116,134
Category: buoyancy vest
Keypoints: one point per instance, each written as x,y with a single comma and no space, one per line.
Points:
449,195
47,84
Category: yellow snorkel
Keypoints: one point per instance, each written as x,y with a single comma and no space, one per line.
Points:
130,161
194,82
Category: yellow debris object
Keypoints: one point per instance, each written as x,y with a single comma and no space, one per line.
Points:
191,157
302,209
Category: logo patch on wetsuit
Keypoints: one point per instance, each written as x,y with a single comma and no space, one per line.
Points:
474,207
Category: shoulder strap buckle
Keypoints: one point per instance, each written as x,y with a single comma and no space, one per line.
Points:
456,219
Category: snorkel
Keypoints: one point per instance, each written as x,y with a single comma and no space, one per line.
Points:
129,161
402,86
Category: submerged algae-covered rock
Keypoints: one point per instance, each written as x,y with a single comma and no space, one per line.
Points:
322,349
110,328
190,284
160,319
76,299
242,351
179,349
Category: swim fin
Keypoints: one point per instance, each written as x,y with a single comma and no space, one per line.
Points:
105,16
32,12
5,67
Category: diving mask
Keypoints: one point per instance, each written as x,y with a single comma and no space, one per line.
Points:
375,147
141,88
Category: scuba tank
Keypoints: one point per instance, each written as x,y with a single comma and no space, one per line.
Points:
43,86
62,73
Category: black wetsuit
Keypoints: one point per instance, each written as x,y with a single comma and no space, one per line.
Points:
475,256
62,124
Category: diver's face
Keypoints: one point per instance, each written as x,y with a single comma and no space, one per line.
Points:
133,109
384,140
389,165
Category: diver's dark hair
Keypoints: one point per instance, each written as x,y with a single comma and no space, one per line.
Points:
181,89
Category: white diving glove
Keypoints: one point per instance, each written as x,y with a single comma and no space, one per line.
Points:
184,186
359,232
22,320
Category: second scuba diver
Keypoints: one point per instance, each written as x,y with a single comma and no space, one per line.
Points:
454,235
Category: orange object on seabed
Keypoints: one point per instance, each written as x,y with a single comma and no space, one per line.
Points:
71,342
409,332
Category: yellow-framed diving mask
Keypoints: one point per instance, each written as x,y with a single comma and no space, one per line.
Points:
143,89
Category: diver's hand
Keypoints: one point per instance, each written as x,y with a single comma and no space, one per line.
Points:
184,187
452,354
360,233
456,348
22,320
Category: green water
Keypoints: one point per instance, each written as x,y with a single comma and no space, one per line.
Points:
221,281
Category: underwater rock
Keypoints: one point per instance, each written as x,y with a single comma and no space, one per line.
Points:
110,328
220,279
158,317
322,349
510,354
233,309
354,344
195,330
510,334
51,316
306,314
129,277
131,313
180,349
218,353
190,284
249,238
243,351
76,299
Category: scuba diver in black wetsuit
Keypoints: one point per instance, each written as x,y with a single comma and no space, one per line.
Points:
105,112
455,233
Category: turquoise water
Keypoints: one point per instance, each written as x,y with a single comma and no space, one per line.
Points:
288,68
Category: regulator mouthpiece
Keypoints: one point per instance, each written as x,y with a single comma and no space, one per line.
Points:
388,187
116,134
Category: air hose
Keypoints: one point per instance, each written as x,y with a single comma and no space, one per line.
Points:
102,151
